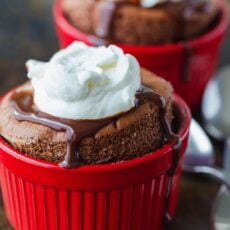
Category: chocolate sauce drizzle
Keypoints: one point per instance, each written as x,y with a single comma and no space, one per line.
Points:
188,54
149,94
76,130
146,93
107,10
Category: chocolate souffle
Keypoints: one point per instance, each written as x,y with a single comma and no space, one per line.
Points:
141,21
54,119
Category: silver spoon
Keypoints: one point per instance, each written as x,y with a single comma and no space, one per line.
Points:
220,212
199,157
216,105
216,111
216,114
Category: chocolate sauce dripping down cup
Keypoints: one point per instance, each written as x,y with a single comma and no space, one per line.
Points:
144,94
76,130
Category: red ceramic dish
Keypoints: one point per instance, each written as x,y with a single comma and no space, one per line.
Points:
187,65
126,195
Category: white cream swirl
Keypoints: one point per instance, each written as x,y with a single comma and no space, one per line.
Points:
151,3
82,82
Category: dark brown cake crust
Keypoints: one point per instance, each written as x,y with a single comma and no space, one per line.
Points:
134,134
132,24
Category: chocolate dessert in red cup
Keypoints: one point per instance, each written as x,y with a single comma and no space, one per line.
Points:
187,64
118,185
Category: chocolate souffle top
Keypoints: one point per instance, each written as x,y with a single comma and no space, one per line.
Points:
88,106
141,21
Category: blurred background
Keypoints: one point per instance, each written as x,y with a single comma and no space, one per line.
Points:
27,31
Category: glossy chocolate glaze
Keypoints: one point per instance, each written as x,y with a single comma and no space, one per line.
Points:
141,96
179,12
146,93
188,54
106,10
76,130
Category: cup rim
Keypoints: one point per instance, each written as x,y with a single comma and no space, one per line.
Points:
185,122
219,29
104,176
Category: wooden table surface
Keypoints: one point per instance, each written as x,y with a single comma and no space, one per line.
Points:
26,31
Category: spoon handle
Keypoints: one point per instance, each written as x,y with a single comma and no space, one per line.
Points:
218,174
226,160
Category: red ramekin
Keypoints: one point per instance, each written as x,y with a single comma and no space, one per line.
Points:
129,195
187,65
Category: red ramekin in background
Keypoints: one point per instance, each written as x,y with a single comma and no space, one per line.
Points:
187,65
129,195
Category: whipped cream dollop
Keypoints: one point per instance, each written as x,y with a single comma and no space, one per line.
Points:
82,82
151,3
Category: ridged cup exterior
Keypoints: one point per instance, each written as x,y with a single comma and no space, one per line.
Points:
31,206
187,65
129,195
